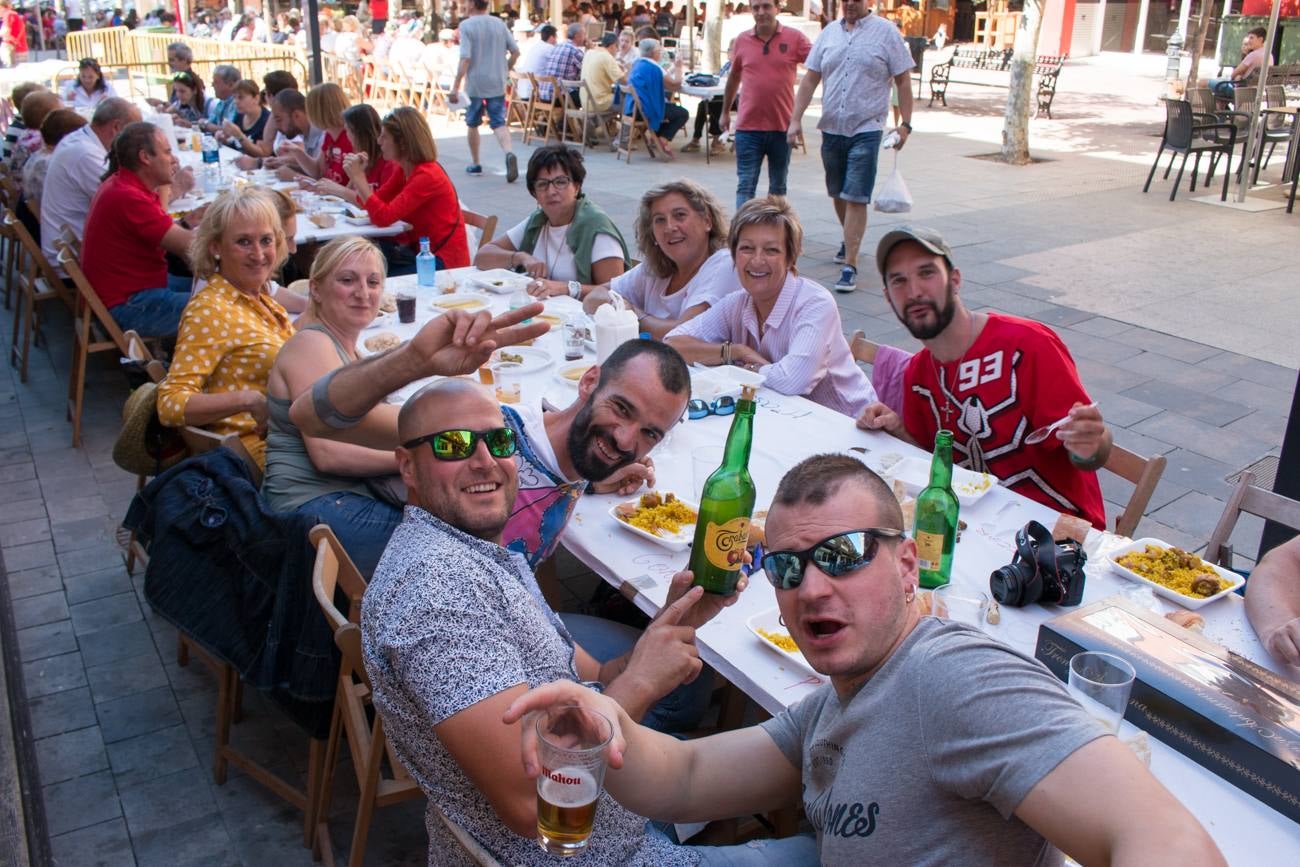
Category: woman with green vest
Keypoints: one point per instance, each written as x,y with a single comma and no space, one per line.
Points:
568,245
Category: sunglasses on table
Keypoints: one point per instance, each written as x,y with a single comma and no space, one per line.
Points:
696,408
459,445
835,555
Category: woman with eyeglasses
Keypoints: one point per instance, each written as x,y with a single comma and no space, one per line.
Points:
420,194
783,326
362,124
90,88
324,477
682,233
568,244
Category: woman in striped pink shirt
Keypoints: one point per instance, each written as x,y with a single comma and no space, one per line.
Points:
783,326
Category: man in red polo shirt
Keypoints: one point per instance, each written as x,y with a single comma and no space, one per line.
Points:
766,60
129,233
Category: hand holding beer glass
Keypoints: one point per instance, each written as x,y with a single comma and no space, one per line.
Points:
571,746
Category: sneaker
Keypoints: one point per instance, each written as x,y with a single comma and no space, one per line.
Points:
848,279
512,168
838,258
474,169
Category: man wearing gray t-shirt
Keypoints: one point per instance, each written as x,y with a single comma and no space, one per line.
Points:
487,53
932,743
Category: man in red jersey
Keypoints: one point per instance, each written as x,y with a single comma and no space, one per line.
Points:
992,380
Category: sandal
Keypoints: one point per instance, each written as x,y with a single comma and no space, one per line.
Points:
691,147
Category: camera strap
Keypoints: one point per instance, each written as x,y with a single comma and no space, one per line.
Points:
1035,542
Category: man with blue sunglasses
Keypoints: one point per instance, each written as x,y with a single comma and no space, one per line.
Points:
933,743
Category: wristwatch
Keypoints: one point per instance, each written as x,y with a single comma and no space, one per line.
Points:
575,289
907,126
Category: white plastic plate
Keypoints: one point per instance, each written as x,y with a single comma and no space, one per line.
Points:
679,541
1161,590
472,303
534,360
770,620
498,281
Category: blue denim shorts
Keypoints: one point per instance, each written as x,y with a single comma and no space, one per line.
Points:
495,106
850,163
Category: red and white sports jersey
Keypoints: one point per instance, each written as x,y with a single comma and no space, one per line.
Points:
1015,378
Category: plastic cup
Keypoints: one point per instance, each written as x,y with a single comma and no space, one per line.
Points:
1101,683
571,745
950,602
405,308
508,376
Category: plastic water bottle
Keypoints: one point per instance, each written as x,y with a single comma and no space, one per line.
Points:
211,165
426,266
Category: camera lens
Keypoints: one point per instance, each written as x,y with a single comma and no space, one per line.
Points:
1016,584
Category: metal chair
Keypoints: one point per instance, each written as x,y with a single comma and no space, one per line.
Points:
1184,136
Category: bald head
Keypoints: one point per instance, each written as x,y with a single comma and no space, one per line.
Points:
441,406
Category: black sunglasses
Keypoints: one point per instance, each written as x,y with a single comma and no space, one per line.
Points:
835,555
696,408
459,445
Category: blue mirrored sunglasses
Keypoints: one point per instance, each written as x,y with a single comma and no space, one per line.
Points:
835,555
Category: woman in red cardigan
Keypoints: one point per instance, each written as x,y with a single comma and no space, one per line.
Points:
420,194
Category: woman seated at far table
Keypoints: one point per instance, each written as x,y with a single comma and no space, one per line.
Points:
319,476
245,132
325,106
783,326
232,329
681,231
568,243
420,194
363,126
663,119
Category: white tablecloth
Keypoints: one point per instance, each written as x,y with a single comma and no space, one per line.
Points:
788,429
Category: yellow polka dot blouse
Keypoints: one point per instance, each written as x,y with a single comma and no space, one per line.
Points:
228,341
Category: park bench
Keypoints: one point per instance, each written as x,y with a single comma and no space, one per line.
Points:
991,68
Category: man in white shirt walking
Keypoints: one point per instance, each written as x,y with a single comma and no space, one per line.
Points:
487,52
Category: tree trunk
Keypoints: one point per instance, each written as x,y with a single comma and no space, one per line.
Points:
1020,90
714,51
1198,42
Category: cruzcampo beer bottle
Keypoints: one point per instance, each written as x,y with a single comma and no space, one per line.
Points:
722,529
936,517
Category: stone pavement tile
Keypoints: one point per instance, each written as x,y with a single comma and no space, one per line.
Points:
1256,396
1244,537
104,845
1261,425
1101,326
117,643
54,674
1199,378
96,559
1149,527
193,681
37,610
1120,410
75,508
1254,370
29,556
1191,403
125,677
81,802
123,718
27,489
34,582
1118,490
1187,514
96,585
68,486
1136,442
1082,345
21,510
1171,347
14,455
63,461
1155,365
71,754
88,617
38,642
255,735
1099,375
24,532
150,756
166,801
202,840
61,712
1199,473
83,533
1208,440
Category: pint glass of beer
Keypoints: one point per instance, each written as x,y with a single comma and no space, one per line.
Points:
571,743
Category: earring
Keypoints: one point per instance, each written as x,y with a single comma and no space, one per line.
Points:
911,594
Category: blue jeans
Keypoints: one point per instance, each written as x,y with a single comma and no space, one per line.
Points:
362,525
154,312
797,851
850,163
679,710
751,147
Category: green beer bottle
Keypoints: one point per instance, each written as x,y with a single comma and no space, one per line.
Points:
936,517
722,529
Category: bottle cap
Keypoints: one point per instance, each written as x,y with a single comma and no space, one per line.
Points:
747,392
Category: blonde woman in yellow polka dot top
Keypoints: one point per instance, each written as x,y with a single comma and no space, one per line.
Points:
232,329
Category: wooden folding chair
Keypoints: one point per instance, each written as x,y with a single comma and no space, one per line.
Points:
35,282
93,331
631,126
1251,498
9,196
1145,474
863,350
486,226
353,712
519,109
583,120
138,350
545,113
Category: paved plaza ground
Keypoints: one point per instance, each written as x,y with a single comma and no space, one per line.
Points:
1180,316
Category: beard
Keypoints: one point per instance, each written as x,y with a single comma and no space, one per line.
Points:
942,315
587,459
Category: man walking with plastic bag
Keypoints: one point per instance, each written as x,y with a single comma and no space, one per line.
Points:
858,57
893,197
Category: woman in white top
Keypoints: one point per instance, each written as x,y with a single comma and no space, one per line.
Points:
90,88
682,234
783,326
568,244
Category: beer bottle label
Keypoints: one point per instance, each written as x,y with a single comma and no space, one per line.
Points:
724,544
929,549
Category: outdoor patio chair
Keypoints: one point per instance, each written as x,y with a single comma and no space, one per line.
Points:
583,121
546,115
1276,129
631,126
137,350
1184,136
485,225
518,108
1251,498
9,197
1204,104
36,282
1144,474
354,714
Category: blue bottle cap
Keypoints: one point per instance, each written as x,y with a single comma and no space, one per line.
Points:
645,335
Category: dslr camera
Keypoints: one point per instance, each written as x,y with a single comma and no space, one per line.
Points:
1042,571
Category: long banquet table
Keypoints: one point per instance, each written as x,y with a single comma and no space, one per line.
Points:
788,429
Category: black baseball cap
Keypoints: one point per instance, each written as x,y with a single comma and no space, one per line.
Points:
608,39
927,238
